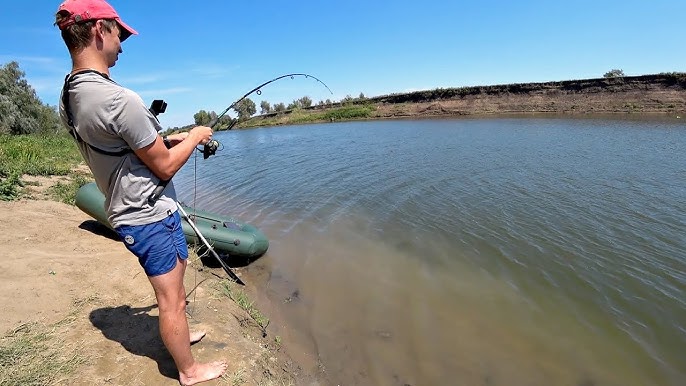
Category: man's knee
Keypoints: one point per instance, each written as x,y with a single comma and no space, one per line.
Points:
172,302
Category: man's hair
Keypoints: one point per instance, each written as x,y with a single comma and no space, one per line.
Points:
78,35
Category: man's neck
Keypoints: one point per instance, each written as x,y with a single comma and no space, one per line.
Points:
86,61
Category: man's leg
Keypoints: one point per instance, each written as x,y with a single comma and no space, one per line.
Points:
171,300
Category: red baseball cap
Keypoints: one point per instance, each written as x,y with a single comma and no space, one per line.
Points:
84,10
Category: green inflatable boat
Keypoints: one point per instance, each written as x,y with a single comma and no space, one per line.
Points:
226,235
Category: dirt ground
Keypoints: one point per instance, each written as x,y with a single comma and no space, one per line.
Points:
58,263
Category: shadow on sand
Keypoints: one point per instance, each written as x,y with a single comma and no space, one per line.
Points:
99,229
137,332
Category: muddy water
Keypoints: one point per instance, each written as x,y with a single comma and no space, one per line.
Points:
484,251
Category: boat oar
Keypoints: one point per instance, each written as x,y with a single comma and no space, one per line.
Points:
209,247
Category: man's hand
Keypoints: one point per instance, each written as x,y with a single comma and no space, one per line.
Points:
166,162
178,137
202,134
175,139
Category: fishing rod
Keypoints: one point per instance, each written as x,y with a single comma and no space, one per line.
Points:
258,91
228,270
210,148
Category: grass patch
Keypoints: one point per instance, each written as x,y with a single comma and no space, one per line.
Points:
10,187
239,296
66,192
32,354
36,155
298,116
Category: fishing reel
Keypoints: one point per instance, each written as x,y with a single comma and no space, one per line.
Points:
210,148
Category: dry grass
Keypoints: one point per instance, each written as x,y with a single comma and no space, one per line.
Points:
38,354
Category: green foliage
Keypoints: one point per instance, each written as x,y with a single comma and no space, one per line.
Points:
279,107
21,112
203,118
305,101
265,107
241,299
9,187
223,123
38,155
245,109
300,103
614,73
66,191
348,112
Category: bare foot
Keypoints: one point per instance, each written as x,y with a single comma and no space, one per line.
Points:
201,372
196,336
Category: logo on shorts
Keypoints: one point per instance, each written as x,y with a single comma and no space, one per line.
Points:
129,239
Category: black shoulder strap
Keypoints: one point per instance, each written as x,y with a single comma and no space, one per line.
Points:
70,120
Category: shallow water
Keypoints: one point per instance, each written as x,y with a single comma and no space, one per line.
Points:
472,251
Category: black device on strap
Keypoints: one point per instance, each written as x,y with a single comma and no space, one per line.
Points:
70,120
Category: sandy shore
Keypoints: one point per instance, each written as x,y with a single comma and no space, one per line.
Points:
58,264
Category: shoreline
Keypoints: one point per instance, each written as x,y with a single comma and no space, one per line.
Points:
69,285
646,94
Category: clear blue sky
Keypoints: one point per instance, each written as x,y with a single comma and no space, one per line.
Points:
206,54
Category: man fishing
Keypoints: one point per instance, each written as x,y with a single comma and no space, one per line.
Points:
118,138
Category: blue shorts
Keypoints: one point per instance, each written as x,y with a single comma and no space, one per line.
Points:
157,245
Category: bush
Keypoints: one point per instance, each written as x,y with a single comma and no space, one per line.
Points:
21,112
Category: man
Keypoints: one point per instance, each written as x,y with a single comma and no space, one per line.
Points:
117,136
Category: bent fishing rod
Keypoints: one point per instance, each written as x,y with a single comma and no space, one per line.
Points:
210,148
258,91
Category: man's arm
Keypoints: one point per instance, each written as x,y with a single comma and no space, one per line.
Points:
163,162
175,139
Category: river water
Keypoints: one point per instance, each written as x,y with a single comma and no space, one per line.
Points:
511,251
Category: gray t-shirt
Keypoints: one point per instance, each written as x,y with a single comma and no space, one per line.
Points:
112,118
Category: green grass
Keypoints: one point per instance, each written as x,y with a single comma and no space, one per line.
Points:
36,155
299,116
241,299
66,192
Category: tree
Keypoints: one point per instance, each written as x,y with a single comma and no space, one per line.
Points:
614,73
293,105
245,109
361,97
279,107
305,101
265,107
224,122
203,117
21,112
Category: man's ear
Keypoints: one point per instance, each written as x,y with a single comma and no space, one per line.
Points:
99,29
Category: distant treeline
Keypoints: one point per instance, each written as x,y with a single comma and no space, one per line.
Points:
22,112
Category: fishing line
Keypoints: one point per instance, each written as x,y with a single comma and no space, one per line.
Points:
210,148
